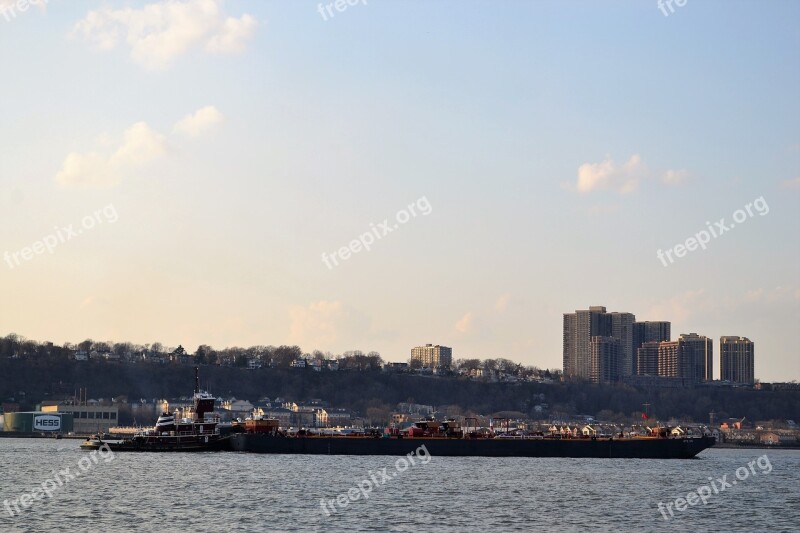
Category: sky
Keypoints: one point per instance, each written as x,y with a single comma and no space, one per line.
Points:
395,173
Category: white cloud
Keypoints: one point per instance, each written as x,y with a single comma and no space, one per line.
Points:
140,145
160,32
10,9
600,210
317,324
608,175
233,36
502,303
111,161
86,170
199,123
792,183
680,308
674,177
466,323
779,294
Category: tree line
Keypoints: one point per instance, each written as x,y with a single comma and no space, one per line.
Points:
18,347
374,393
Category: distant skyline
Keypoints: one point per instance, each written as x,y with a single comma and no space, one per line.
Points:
179,171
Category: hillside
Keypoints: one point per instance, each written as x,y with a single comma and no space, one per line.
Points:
30,381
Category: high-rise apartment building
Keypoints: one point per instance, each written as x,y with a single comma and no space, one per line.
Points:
690,357
668,359
648,332
606,359
647,359
696,357
604,347
737,360
622,330
579,328
431,356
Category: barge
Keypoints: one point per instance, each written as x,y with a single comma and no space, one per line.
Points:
444,441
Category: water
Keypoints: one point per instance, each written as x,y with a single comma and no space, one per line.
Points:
249,492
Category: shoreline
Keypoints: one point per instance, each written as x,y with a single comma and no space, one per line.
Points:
20,435
733,446
721,446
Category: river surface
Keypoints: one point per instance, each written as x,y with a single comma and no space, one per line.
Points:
249,492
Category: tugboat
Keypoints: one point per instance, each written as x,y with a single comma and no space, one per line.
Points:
197,434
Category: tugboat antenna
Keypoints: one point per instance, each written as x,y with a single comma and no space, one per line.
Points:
196,379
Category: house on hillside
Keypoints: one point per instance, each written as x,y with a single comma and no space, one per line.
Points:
339,417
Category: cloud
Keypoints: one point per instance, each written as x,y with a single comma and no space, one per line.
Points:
199,123
233,36
466,323
10,9
317,324
791,184
600,210
680,308
779,294
140,145
608,175
160,32
86,170
674,177
753,295
502,303
107,166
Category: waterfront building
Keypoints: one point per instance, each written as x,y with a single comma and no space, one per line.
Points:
237,408
38,422
431,356
736,360
283,415
339,417
87,419
316,417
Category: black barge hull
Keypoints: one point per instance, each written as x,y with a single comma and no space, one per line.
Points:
600,448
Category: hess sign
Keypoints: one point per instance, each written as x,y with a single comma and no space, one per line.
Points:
47,423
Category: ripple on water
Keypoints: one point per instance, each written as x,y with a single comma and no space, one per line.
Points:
255,493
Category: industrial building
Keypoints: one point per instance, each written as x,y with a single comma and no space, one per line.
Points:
38,422
88,419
